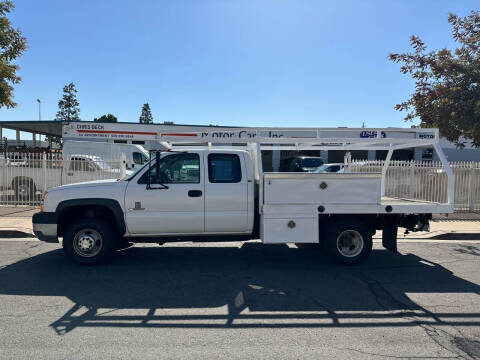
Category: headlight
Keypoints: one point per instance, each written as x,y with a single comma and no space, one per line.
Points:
44,195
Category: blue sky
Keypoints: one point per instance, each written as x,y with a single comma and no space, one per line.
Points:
245,63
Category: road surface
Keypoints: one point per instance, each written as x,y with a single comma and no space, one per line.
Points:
240,300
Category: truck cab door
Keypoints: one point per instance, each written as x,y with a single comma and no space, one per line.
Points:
170,201
226,193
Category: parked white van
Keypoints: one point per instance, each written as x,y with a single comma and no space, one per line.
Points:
135,155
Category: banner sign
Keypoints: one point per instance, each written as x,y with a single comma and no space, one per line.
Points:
86,130
107,131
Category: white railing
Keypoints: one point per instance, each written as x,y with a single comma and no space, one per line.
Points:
24,176
427,180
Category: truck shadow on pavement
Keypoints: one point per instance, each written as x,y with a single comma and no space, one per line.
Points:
240,287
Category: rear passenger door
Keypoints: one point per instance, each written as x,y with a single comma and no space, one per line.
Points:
226,193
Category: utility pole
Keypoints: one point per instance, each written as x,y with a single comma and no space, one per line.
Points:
39,110
39,118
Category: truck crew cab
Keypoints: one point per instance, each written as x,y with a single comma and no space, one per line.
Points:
222,193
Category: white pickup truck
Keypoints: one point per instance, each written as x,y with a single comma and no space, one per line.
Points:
222,194
34,175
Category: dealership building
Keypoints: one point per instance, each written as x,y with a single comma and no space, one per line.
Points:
149,136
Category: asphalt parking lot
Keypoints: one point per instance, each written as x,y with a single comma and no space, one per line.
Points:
240,300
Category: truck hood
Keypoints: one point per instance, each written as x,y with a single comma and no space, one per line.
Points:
99,189
96,183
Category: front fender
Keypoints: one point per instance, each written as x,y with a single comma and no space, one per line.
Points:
111,204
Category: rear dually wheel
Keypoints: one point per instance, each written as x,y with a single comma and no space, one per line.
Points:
348,242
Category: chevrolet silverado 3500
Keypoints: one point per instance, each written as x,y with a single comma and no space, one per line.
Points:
214,192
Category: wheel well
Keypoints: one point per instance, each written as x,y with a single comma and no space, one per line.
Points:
20,179
371,221
73,213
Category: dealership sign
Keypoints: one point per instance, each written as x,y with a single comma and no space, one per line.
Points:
244,135
108,131
371,134
87,130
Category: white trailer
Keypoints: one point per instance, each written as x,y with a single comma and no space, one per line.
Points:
204,187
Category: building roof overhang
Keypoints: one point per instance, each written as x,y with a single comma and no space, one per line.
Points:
51,128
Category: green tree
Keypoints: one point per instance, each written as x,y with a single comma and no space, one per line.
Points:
146,116
447,83
109,118
53,140
12,45
68,109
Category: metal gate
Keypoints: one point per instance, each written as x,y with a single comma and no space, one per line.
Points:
24,176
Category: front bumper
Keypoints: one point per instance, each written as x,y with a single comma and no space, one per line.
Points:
45,226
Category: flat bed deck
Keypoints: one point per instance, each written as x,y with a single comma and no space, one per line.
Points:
415,206
400,201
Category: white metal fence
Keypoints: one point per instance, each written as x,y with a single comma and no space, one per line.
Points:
24,176
427,180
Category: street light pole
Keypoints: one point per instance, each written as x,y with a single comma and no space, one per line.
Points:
39,118
39,112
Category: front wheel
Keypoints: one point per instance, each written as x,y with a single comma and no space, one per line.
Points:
24,190
348,242
89,241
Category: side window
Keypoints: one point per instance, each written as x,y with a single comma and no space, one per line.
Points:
74,164
78,164
137,158
90,165
81,164
224,168
174,169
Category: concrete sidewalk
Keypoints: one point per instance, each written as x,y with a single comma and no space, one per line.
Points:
17,222
18,211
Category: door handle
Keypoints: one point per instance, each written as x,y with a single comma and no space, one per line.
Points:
195,193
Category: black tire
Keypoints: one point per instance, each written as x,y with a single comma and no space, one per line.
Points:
24,189
89,231
342,242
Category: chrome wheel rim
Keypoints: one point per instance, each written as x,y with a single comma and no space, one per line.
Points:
23,190
350,243
87,242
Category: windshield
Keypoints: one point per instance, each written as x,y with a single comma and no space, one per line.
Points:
102,164
312,162
133,174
